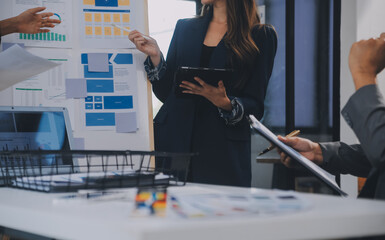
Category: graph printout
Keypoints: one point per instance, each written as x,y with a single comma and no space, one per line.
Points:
97,17
48,88
60,36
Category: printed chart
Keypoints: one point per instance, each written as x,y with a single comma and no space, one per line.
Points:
48,88
60,36
98,16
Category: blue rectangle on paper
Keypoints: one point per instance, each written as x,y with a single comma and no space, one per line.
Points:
108,74
89,99
106,10
100,119
98,106
84,58
118,102
89,106
123,58
106,3
100,86
98,98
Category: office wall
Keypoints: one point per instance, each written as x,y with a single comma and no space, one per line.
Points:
360,19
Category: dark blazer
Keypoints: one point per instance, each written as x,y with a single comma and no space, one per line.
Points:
365,113
194,124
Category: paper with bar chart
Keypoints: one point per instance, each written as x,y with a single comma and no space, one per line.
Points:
97,17
47,88
60,36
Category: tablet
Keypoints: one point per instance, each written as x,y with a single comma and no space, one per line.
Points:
321,174
210,75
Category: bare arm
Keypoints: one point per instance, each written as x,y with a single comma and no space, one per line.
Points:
29,21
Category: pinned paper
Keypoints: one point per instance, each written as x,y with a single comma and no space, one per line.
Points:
6,45
126,122
78,144
17,65
76,88
98,62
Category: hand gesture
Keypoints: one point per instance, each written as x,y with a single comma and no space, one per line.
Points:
146,45
366,60
30,21
305,147
216,95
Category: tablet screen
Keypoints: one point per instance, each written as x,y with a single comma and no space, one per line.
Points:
210,75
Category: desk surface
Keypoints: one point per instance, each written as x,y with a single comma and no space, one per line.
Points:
330,217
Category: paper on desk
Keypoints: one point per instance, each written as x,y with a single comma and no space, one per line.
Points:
17,65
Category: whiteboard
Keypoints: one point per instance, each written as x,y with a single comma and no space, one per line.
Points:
142,138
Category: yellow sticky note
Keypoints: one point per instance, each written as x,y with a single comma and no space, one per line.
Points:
98,17
89,2
107,17
88,30
116,17
124,2
126,33
117,31
107,31
126,18
98,30
88,17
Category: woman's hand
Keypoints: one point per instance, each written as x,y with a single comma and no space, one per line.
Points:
216,95
146,45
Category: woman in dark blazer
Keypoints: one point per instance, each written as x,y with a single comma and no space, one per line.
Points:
213,122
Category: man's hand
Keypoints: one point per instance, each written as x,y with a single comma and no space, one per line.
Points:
366,60
216,95
28,21
305,147
32,22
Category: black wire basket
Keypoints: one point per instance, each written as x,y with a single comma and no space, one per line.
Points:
67,171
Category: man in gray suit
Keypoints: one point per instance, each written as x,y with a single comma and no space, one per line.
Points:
365,114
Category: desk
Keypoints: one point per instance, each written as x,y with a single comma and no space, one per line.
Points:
331,217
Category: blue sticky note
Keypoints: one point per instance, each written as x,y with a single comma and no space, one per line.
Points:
6,45
76,88
100,119
98,62
106,3
126,122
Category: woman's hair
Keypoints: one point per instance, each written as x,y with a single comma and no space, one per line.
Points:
242,17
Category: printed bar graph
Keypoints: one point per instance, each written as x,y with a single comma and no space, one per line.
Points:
44,36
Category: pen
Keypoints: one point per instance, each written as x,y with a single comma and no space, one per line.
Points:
292,134
125,29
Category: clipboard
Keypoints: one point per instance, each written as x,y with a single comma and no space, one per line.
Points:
209,75
321,174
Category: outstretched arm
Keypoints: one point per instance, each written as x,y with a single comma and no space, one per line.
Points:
29,21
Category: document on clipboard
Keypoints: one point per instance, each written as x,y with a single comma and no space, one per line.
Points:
321,174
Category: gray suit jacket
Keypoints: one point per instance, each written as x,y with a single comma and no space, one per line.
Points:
365,114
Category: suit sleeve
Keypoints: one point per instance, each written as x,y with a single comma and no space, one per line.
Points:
254,92
163,85
365,114
340,158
